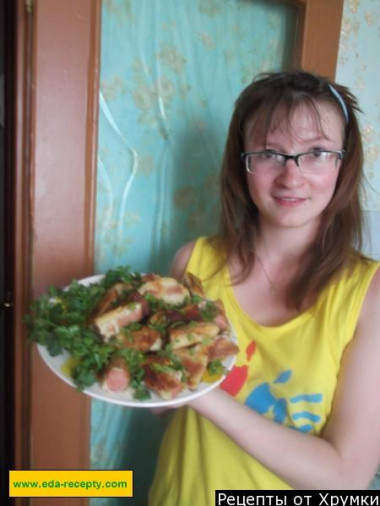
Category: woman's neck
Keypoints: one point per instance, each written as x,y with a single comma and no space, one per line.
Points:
283,244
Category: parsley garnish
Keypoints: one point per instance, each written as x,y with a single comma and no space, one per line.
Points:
59,321
216,368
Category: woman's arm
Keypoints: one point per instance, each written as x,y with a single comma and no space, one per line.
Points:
347,454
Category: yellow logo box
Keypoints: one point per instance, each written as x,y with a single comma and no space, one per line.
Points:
70,483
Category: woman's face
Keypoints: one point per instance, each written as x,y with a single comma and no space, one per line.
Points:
288,198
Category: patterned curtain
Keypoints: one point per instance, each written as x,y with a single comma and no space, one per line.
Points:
170,72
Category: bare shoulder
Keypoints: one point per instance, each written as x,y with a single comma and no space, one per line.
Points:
372,300
367,330
181,259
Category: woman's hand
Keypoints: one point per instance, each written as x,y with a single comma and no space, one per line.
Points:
165,410
160,411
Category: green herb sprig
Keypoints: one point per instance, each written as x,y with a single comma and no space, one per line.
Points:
59,321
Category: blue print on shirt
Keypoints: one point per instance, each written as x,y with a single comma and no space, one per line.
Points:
262,400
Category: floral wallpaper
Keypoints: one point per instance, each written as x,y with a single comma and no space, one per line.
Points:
170,73
358,68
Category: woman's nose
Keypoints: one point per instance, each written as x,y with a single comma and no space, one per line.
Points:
291,174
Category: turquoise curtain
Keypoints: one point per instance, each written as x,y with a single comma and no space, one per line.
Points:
170,72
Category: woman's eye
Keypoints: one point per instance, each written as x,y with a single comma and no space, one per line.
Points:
270,155
318,156
318,153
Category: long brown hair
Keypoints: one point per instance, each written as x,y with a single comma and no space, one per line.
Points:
339,237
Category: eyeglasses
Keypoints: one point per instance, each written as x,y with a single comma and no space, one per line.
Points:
316,161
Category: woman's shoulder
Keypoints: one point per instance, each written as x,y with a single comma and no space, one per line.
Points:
181,259
205,247
365,283
353,289
372,299
360,269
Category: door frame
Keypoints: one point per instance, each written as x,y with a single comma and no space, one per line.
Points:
317,42
57,50
56,111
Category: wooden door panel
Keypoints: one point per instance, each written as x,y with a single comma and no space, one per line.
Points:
57,51
318,35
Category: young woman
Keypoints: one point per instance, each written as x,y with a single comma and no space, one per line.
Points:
301,408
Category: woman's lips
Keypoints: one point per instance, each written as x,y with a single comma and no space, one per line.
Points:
290,201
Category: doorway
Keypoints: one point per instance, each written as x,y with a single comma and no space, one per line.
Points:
6,243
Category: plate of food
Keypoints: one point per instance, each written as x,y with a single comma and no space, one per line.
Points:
139,340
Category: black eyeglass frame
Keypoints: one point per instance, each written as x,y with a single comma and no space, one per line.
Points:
245,154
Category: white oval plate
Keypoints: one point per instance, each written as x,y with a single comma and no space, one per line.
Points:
58,365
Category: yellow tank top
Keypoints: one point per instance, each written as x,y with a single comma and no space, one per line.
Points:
287,373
